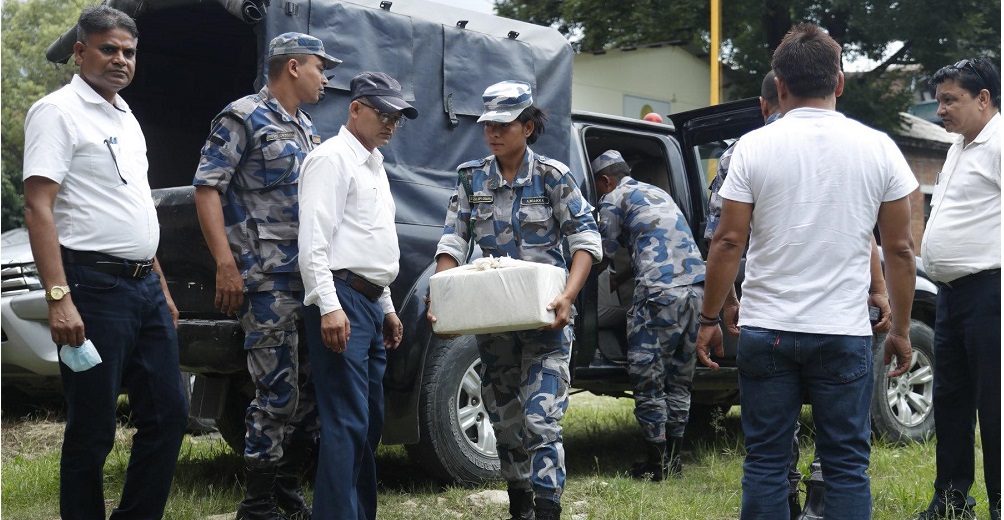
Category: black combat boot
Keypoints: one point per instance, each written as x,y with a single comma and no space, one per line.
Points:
259,502
520,500
951,504
288,494
654,467
813,494
545,509
674,456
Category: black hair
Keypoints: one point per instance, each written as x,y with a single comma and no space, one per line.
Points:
532,113
278,62
96,19
768,89
973,75
616,171
808,62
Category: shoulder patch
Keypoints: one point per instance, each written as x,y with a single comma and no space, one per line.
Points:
476,163
557,165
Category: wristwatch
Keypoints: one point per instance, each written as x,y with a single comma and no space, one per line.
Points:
56,293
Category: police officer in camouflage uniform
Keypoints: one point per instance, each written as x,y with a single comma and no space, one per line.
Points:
662,321
522,205
246,196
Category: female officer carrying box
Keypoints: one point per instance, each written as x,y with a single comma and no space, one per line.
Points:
521,205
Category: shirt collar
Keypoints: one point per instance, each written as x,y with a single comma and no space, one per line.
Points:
523,176
988,131
88,94
358,150
266,95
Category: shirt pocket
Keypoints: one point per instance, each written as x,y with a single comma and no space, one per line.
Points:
103,159
366,201
277,247
483,216
537,226
281,163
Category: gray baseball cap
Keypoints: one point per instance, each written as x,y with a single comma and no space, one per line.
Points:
383,91
299,43
607,158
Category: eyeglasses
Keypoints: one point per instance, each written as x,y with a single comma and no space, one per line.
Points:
959,65
386,118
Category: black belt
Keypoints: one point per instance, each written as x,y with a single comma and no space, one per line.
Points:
108,263
364,286
958,282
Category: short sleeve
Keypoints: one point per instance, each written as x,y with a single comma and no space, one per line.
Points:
901,181
738,184
221,153
49,141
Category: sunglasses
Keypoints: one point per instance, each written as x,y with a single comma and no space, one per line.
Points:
961,64
386,118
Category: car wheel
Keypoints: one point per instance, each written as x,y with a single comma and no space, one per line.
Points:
196,425
902,408
231,423
457,442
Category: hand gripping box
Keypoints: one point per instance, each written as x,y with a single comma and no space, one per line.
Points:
494,295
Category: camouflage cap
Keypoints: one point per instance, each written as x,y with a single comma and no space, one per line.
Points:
299,43
505,101
607,158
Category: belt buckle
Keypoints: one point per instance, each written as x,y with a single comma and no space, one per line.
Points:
137,270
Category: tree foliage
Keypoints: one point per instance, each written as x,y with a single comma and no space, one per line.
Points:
29,26
907,39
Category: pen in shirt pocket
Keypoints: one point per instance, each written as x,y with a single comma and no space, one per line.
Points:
109,142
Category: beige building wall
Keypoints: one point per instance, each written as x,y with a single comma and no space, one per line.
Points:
669,74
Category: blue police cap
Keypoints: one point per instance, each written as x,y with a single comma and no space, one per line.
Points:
505,101
607,158
299,43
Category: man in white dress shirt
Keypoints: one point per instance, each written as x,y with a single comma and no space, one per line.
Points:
962,253
348,258
94,233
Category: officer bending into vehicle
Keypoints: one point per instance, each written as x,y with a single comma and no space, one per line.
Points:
662,321
246,197
94,232
522,205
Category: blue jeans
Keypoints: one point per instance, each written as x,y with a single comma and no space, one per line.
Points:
349,391
128,322
967,385
836,373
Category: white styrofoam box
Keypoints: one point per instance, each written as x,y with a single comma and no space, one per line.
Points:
494,295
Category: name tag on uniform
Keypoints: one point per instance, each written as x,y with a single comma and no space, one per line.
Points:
316,139
481,199
534,201
278,135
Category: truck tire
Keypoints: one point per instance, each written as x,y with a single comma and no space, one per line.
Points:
456,440
902,408
235,407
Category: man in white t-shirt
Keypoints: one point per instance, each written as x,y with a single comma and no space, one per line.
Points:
94,232
962,252
807,191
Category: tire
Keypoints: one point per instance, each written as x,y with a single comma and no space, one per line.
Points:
902,409
196,425
457,442
231,421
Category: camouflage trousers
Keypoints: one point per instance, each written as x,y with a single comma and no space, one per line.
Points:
524,384
662,352
283,409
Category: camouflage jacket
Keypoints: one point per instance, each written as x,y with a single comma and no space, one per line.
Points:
252,157
646,220
524,220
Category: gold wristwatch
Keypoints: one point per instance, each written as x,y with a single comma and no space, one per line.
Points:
56,293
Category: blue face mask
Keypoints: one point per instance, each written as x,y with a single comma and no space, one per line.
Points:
80,358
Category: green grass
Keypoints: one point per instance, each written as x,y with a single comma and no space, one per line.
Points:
601,441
